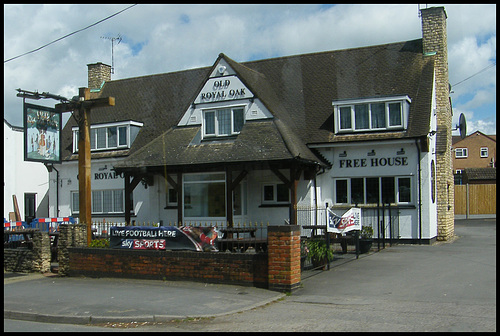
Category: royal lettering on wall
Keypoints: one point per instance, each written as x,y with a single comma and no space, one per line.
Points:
107,176
374,162
223,89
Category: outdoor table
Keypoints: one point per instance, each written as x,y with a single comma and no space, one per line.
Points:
228,241
27,234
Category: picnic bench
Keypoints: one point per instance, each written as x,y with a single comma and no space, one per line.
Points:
231,240
27,242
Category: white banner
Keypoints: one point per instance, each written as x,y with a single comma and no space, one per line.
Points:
349,221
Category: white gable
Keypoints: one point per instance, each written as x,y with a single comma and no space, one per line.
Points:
224,89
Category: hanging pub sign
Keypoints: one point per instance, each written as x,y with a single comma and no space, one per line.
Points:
42,134
163,238
349,221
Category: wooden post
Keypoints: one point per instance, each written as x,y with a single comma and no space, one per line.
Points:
17,214
84,180
229,197
83,106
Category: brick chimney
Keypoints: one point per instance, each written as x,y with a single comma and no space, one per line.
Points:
98,73
435,45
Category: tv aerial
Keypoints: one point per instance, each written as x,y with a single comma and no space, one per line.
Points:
113,39
462,126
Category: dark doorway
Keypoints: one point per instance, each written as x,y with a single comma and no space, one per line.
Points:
29,207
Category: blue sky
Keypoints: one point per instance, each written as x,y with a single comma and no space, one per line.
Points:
165,38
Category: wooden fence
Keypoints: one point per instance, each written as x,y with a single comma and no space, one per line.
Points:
475,199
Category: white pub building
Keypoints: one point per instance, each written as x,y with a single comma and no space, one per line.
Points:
261,141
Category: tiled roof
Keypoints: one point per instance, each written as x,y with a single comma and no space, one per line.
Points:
297,90
480,173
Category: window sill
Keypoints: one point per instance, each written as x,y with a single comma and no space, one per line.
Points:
275,205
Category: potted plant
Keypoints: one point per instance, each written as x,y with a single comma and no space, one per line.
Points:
319,253
304,251
365,239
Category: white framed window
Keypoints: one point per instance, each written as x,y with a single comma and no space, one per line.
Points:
461,153
111,201
373,190
109,136
483,152
223,122
275,193
371,114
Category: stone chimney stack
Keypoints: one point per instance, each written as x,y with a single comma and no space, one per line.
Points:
98,73
435,45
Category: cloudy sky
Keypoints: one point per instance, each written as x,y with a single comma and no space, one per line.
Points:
165,38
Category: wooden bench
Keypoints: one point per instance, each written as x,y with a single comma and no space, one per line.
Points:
27,235
231,240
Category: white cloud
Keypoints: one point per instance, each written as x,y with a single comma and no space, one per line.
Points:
177,37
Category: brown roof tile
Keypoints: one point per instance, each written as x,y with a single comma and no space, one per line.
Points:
297,90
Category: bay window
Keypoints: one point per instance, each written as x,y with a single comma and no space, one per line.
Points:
111,136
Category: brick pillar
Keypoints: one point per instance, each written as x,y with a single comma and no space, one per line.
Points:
70,235
283,249
435,45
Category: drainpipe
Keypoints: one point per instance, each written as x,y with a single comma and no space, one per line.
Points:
315,202
419,194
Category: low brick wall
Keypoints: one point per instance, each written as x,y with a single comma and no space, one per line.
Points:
278,269
26,260
211,267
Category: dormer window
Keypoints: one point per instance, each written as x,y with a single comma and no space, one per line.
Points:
223,122
377,114
110,136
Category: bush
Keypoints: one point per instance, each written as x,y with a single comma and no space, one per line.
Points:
318,251
366,232
99,243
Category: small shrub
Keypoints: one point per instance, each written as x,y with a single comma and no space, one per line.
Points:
99,243
366,232
318,251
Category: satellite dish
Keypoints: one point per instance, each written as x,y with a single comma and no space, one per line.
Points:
462,126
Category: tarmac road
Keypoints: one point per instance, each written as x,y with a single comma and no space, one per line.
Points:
441,287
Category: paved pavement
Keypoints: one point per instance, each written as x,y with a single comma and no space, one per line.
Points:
441,287
78,300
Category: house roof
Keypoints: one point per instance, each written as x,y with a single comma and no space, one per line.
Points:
474,174
456,138
298,91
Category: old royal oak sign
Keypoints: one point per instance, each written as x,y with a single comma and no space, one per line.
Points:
223,89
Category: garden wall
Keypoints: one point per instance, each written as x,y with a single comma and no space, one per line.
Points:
213,267
278,269
27,260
